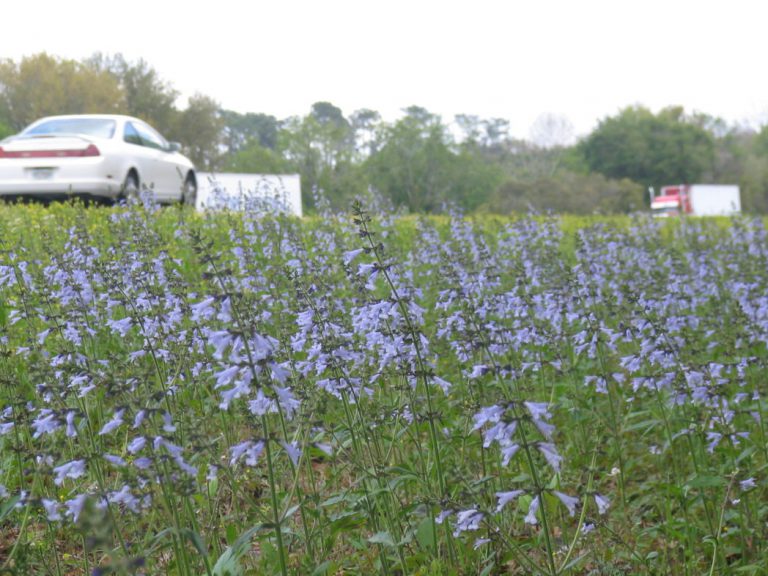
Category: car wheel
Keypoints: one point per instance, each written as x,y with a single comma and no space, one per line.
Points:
189,194
130,189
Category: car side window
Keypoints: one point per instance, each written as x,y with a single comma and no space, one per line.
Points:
131,135
150,138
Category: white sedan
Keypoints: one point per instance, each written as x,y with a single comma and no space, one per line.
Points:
107,156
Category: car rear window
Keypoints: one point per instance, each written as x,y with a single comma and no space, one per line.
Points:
100,127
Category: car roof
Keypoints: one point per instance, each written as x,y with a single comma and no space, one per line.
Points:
121,117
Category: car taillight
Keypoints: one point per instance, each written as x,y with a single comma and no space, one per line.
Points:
91,150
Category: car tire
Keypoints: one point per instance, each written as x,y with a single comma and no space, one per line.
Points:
189,193
130,188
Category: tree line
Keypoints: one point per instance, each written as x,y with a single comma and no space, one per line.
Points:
419,162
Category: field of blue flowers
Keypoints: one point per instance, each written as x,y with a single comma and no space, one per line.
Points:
369,393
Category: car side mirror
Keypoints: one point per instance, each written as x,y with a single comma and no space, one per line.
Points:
174,147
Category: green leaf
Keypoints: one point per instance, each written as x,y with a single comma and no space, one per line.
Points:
647,424
572,564
213,487
481,481
290,512
228,563
196,540
231,533
520,478
425,533
322,569
705,482
333,500
344,522
155,544
7,507
746,454
402,470
751,569
383,538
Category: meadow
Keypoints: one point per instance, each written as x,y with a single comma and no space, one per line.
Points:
357,393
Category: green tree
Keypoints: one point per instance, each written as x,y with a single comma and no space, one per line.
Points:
42,85
333,136
365,124
761,142
412,167
752,155
146,95
519,159
199,128
652,149
568,192
320,146
754,184
241,131
418,167
256,159
5,130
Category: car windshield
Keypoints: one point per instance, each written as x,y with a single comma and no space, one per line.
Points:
100,127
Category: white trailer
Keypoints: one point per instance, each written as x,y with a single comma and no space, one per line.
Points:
715,200
697,200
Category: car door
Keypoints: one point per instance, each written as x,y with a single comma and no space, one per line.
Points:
163,175
141,156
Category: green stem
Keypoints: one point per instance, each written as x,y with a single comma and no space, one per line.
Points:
273,497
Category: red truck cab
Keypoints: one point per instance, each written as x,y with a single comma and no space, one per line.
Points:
672,201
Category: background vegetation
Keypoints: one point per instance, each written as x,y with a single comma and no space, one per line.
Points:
421,161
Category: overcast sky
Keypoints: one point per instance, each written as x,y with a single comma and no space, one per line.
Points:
514,59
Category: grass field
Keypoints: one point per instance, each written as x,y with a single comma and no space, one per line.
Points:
369,393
